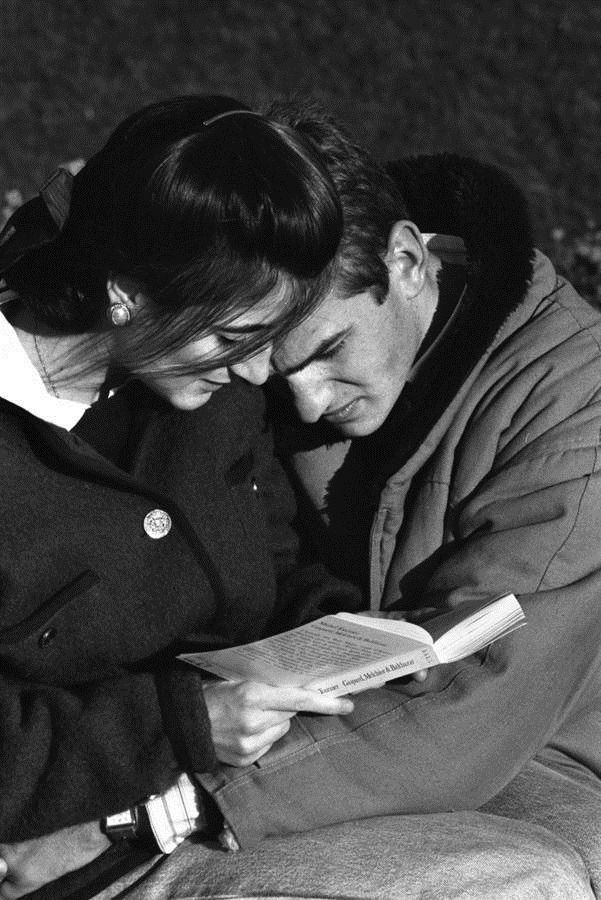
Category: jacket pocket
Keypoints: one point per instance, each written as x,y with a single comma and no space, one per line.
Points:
49,608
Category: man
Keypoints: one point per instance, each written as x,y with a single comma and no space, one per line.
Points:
448,395
445,448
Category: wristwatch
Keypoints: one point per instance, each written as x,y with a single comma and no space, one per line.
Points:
132,825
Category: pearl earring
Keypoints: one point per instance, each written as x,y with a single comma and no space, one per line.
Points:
118,314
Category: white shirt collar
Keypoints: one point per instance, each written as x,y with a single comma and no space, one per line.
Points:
21,384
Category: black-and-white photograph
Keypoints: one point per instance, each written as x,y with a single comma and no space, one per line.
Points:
300,450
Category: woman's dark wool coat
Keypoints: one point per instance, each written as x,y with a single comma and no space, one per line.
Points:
95,714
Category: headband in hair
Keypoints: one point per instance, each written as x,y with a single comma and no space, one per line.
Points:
38,222
231,112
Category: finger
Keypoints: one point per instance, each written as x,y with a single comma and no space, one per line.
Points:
261,743
420,675
304,700
270,737
246,697
256,721
244,706
252,748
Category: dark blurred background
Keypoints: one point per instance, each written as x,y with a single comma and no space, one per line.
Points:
513,83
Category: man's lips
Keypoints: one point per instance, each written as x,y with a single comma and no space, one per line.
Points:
342,413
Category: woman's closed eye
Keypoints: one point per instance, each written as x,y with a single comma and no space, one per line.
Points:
334,350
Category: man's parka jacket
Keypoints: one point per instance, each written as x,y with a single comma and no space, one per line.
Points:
95,714
492,485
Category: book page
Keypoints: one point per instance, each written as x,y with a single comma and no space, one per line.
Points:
478,625
393,626
325,647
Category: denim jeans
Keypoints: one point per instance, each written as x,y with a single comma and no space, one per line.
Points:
327,813
564,799
468,855
540,838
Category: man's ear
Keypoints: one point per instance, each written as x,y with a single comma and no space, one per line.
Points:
407,257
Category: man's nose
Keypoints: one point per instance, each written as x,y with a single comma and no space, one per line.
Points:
311,397
256,369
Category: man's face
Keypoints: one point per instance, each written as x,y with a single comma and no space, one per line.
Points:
348,362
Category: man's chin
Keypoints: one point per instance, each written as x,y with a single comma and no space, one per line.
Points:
366,421
356,428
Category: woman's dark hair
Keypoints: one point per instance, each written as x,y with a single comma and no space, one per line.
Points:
207,216
371,201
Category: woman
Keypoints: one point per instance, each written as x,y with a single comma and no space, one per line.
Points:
141,516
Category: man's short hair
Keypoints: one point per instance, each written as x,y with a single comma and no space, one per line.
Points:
371,201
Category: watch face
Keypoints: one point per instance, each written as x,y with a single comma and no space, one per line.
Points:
132,825
125,819
120,825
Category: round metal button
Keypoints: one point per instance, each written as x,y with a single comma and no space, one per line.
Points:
254,485
157,523
47,637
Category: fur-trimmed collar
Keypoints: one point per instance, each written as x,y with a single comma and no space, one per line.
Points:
479,203
456,195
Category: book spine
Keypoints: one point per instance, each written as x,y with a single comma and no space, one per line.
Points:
362,678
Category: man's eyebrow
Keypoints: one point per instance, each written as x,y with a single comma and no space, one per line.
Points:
322,348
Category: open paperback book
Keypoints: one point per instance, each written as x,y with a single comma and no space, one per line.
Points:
346,653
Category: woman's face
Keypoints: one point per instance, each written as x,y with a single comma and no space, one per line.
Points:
188,390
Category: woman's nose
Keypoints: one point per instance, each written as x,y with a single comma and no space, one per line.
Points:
255,369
